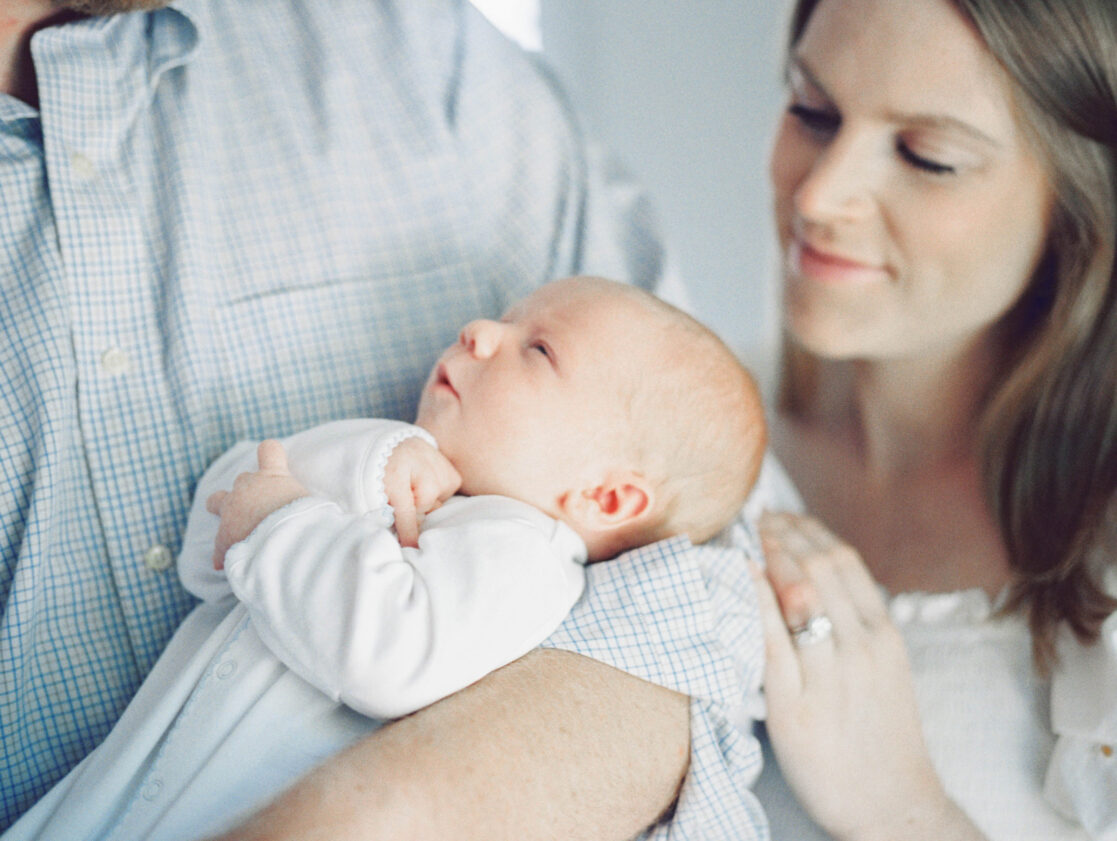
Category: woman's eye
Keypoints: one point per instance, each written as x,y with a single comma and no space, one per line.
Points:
920,162
816,120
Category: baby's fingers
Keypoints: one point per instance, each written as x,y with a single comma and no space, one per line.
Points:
407,520
215,501
271,457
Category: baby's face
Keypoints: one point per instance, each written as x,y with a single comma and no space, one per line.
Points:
520,406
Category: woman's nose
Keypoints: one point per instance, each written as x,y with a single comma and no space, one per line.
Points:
481,338
838,186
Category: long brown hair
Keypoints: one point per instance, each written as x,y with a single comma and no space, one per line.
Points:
1048,425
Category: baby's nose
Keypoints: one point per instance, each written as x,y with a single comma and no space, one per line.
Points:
481,338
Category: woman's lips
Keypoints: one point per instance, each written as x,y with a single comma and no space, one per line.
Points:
811,263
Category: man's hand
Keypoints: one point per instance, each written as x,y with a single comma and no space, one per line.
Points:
254,496
417,479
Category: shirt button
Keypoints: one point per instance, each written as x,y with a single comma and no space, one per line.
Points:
152,789
158,558
83,167
115,362
1107,750
226,669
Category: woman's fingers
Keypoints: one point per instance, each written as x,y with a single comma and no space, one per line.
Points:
815,574
793,589
834,599
783,677
805,625
845,565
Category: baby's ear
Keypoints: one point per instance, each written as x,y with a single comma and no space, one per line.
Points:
609,513
619,501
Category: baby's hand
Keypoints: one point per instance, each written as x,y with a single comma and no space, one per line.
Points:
417,479
254,496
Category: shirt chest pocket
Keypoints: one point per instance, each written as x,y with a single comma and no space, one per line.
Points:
353,348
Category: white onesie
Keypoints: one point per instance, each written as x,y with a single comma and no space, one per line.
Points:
320,613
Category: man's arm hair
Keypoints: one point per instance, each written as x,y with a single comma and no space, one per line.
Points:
554,745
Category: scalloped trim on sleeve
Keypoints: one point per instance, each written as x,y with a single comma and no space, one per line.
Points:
376,463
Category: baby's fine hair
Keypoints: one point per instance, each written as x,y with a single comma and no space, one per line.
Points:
695,423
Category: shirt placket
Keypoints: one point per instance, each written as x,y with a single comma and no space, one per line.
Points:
95,118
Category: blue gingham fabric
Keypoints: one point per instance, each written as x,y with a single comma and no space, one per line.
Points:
687,618
237,220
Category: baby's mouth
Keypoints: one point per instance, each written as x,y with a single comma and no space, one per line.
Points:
443,379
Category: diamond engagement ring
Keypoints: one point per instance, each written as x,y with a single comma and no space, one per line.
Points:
816,629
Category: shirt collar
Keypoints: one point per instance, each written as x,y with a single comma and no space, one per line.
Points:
175,33
172,36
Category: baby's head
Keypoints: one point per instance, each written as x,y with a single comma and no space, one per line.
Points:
604,407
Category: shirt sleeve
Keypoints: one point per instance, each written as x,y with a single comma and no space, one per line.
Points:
687,618
387,629
1081,781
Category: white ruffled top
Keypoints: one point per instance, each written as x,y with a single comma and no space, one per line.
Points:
1024,757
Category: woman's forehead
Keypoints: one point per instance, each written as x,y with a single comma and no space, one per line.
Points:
906,60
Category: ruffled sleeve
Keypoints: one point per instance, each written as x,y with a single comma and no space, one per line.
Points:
1081,778
345,461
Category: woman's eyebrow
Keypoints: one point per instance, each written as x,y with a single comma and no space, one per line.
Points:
939,122
944,122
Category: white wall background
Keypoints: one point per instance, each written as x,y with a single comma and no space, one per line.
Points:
686,93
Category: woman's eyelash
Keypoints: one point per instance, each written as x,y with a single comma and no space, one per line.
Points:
821,121
815,119
920,162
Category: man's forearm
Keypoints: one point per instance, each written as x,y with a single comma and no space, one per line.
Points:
554,745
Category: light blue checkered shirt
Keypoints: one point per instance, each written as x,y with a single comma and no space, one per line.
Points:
237,220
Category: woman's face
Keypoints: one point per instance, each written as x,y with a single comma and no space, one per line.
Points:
911,211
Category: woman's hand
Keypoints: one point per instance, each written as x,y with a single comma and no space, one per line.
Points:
842,713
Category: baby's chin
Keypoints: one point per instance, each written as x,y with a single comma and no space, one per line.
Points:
428,421
494,486
473,486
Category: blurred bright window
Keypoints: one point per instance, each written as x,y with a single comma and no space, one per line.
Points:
518,19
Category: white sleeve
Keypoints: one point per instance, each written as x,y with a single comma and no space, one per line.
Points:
195,560
388,630
343,461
